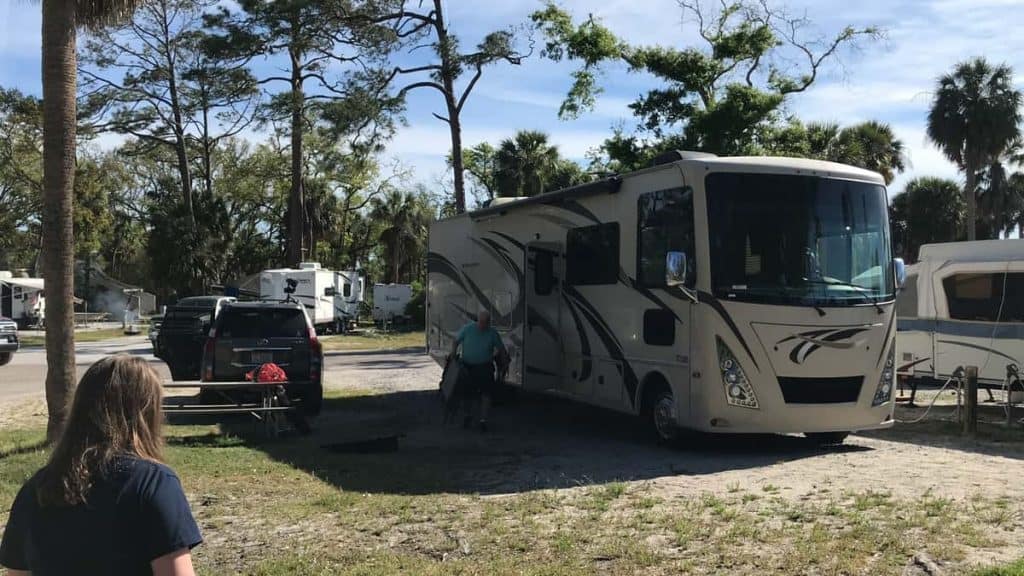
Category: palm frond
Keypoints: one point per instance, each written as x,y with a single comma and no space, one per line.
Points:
100,13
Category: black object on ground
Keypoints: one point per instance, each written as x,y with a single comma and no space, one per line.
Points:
371,446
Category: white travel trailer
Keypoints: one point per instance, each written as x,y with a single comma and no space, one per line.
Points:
718,294
389,302
349,293
315,289
22,299
963,305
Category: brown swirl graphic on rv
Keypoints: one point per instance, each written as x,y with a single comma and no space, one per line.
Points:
587,366
607,337
813,340
705,298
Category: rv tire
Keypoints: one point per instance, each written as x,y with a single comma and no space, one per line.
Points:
5,358
827,438
657,413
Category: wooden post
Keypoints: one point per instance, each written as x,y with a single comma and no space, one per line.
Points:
971,402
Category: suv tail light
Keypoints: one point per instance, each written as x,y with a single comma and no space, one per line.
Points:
316,356
208,352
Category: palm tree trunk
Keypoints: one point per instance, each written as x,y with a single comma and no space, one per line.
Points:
971,197
59,127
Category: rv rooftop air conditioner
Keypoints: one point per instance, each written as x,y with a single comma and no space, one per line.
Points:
309,265
677,155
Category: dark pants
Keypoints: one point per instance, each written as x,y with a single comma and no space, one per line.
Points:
479,379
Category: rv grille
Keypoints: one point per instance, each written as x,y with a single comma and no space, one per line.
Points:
820,390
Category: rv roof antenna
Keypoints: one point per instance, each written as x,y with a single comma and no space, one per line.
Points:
677,155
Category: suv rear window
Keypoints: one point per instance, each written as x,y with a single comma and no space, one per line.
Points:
262,323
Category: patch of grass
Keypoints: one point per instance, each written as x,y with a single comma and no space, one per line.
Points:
374,340
870,499
1014,569
600,497
80,336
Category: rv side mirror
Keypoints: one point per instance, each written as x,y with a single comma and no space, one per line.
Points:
901,272
675,269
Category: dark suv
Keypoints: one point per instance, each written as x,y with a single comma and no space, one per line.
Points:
247,335
8,339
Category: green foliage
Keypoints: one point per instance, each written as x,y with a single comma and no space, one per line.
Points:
187,258
481,164
719,98
416,309
929,210
527,165
404,218
975,113
871,145
20,177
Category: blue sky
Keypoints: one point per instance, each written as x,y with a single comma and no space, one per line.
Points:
888,80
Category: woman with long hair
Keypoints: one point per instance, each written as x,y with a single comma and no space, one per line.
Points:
105,504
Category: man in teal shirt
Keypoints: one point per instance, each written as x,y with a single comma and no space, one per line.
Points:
479,343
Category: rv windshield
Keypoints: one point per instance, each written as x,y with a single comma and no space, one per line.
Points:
803,240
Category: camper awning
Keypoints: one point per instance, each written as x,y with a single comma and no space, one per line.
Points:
30,283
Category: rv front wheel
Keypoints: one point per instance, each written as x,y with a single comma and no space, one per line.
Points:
827,438
658,415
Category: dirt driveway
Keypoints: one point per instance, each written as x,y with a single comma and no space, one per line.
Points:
538,442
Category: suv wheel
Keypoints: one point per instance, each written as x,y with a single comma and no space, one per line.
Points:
5,358
312,400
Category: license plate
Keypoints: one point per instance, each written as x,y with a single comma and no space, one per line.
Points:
262,357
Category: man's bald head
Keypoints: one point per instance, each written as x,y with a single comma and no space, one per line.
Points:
483,319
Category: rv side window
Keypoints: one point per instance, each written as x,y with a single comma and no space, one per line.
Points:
544,272
906,299
665,224
592,255
346,290
980,296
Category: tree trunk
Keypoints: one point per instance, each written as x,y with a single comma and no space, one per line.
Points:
448,70
180,149
59,126
971,197
296,203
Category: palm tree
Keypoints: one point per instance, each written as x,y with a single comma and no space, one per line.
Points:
61,18
928,210
405,217
975,115
871,145
526,163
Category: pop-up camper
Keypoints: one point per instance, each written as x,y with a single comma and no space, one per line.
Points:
719,294
963,305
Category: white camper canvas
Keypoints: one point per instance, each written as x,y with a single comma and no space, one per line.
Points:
963,305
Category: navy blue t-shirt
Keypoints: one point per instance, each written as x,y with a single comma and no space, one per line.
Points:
134,514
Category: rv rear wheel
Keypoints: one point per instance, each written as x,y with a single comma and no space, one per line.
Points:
5,358
827,438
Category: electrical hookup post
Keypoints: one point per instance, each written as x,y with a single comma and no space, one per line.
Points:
970,423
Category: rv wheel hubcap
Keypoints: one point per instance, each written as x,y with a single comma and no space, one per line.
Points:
663,422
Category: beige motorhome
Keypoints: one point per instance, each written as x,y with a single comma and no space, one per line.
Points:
739,294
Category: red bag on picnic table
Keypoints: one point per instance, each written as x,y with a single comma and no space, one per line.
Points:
268,372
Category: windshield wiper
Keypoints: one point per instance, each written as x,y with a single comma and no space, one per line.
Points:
865,295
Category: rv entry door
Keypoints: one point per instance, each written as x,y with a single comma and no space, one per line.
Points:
542,342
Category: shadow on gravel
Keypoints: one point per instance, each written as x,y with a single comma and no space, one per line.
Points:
533,443
942,430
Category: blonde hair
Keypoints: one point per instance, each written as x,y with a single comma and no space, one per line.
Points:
116,412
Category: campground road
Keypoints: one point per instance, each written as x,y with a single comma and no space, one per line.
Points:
25,376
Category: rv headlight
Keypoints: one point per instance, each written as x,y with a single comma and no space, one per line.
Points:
885,384
738,391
